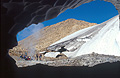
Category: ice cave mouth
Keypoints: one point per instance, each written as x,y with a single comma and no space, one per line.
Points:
74,45
17,15
87,47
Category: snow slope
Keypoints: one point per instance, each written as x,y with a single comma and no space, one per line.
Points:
105,39
104,42
52,54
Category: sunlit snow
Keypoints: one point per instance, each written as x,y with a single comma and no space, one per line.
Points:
104,39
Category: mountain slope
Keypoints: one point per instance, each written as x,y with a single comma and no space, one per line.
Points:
48,35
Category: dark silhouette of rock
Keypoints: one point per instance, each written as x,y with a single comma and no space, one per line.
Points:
16,15
62,49
61,56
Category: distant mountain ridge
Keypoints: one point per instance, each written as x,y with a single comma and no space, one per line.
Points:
40,40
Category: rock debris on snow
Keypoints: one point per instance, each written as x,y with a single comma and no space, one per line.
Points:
89,60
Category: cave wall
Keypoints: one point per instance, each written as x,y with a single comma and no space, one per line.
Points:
18,14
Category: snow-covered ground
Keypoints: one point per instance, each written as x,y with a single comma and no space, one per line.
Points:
51,54
104,42
104,39
118,39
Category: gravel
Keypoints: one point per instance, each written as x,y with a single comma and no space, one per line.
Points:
89,60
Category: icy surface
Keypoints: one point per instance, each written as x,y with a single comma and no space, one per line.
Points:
51,54
104,42
103,38
118,39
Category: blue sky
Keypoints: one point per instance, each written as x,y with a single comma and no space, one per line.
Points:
94,12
